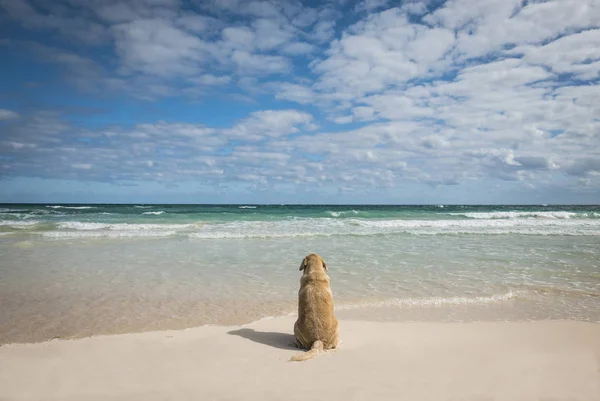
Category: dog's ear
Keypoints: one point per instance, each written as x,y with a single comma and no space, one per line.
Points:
303,264
324,265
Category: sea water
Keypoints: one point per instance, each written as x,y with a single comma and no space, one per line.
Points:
79,270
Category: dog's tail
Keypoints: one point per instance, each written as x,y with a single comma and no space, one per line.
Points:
316,348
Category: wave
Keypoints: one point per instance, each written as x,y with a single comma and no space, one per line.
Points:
18,224
517,215
314,227
342,213
247,207
72,207
108,234
85,226
155,213
432,301
358,227
143,207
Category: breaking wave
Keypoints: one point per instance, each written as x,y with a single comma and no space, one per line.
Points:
308,227
521,215
343,213
72,207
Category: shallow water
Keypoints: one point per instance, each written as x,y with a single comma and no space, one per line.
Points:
112,269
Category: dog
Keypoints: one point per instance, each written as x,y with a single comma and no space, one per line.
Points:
316,328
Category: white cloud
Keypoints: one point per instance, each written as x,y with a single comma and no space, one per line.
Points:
210,80
271,123
79,166
294,92
323,31
157,47
8,114
577,54
238,38
487,26
383,50
259,63
270,34
298,48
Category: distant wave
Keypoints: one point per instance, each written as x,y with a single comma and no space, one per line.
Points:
311,227
72,207
342,213
143,207
364,227
431,301
517,215
247,207
156,213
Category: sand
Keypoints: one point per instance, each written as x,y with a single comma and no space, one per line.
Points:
547,360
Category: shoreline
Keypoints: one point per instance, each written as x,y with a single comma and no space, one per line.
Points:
503,308
553,359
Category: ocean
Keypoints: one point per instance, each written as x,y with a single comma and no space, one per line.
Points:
70,271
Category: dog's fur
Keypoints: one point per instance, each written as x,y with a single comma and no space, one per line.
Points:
316,327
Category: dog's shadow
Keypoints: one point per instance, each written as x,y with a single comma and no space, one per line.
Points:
277,340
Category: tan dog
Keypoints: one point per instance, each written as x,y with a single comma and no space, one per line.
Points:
316,327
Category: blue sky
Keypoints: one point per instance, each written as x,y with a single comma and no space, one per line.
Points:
375,101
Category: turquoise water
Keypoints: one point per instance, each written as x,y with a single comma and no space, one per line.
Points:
76,270
260,221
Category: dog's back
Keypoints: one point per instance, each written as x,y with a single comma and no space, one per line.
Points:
316,327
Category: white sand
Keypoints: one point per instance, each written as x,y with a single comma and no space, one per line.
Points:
377,361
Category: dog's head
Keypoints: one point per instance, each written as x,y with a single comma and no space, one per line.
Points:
313,261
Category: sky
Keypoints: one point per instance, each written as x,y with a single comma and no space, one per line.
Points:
233,101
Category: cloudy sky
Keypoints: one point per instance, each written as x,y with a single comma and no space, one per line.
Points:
375,101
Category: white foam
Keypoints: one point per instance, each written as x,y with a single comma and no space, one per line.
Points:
84,226
72,207
18,223
108,234
143,207
517,215
342,213
432,301
247,207
155,213
325,227
302,227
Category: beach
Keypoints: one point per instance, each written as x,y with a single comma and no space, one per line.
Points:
544,360
178,302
